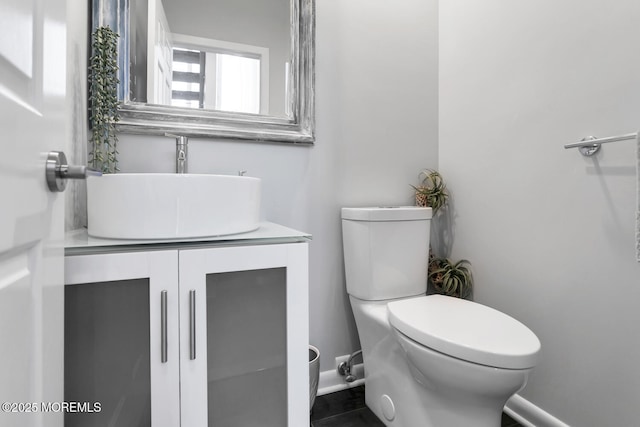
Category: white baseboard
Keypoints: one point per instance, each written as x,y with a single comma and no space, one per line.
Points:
330,381
518,408
530,415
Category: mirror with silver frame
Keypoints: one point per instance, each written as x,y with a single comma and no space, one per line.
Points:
238,69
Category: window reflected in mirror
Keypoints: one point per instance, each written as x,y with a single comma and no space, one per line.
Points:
219,80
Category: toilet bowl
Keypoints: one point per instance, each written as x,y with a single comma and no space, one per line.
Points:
431,361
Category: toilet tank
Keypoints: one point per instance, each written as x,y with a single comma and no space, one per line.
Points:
386,251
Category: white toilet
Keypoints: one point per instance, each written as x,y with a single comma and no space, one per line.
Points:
430,361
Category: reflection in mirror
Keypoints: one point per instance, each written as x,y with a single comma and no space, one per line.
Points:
228,55
230,68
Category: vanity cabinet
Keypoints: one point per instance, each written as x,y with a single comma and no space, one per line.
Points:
207,334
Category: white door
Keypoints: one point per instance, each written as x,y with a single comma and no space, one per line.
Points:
160,55
32,123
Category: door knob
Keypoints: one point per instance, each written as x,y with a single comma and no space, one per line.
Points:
57,171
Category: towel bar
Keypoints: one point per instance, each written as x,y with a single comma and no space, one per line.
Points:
590,145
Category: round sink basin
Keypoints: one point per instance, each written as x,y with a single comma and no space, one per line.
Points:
168,206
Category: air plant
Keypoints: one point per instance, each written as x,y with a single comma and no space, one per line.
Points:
432,192
452,279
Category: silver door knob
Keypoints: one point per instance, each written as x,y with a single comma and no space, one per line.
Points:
57,171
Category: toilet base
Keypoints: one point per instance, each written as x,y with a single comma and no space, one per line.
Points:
456,394
417,401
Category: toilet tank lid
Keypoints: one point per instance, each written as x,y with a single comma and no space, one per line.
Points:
387,213
466,330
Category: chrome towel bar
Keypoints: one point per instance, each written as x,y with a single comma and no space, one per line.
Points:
590,145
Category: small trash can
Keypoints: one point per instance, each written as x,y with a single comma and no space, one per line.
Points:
314,374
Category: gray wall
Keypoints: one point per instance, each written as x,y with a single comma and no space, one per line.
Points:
550,233
377,124
77,122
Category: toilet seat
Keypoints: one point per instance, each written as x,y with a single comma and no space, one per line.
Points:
465,330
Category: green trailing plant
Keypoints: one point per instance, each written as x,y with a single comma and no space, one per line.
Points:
103,90
432,191
452,279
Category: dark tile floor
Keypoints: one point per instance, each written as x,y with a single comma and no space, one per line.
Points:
347,409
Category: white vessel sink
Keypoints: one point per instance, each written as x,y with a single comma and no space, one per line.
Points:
167,206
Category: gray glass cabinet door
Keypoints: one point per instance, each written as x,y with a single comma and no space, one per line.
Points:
107,353
244,314
247,348
121,339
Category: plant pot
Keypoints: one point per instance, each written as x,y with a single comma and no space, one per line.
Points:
421,198
314,374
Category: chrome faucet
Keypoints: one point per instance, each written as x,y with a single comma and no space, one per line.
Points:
182,153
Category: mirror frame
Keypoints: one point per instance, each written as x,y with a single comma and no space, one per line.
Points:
151,119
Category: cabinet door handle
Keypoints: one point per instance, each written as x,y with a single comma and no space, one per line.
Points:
163,328
192,324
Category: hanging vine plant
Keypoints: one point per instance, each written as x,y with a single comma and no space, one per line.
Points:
103,90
